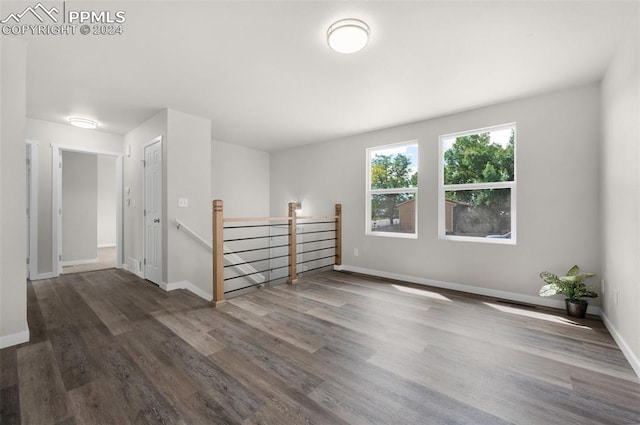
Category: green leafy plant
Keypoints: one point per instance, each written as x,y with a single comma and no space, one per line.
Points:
572,285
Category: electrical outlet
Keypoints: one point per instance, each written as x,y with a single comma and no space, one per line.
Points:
602,286
183,202
355,252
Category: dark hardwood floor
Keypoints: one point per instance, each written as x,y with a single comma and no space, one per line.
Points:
109,348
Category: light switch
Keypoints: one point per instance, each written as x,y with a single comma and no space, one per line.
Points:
183,202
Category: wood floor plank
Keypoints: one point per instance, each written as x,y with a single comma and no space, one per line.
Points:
43,397
238,401
187,363
339,338
79,314
8,367
272,327
282,404
182,326
201,408
284,299
249,306
37,325
141,400
339,318
300,291
203,318
618,392
94,403
53,311
296,377
112,318
10,405
160,369
73,360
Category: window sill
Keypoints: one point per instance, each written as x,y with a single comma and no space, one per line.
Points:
393,235
496,241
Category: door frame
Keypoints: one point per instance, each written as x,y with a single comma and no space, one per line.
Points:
144,207
56,197
33,146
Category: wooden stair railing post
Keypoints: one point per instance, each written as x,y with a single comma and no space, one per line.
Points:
218,253
338,260
293,276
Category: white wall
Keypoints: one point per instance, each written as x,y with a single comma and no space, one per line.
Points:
79,208
188,176
48,133
621,195
13,228
133,179
557,197
107,195
240,177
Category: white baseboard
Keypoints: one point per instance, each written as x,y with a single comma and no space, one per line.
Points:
109,245
634,361
42,276
512,296
79,262
14,339
185,284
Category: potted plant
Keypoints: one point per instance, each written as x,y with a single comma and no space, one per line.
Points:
572,285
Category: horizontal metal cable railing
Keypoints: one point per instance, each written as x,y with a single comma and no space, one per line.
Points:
257,251
231,259
271,249
316,245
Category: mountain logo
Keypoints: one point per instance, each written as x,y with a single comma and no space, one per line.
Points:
39,11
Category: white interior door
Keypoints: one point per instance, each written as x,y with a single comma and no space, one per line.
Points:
153,212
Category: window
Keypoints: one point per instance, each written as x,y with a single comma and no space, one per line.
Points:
477,185
392,190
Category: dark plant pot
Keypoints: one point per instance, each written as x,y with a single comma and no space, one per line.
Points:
576,308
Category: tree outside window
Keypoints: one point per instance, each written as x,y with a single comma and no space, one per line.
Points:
392,189
477,195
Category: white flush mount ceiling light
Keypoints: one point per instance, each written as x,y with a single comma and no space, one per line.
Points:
83,123
348,35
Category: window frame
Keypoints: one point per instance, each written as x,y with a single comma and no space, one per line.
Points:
370,192
511,185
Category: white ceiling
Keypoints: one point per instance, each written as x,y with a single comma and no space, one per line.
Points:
263,73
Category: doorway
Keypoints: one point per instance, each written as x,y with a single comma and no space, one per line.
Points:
87,191
88,212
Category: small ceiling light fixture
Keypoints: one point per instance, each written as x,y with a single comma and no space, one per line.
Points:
348,35
83,123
